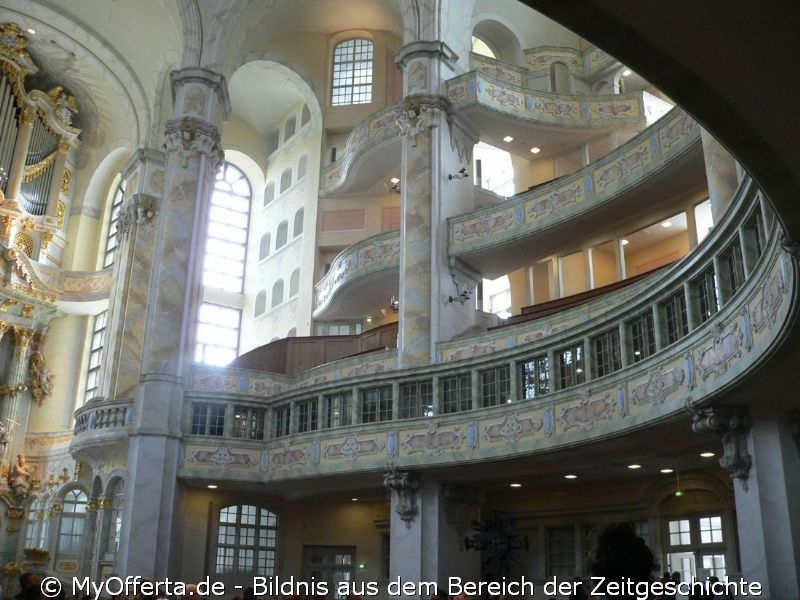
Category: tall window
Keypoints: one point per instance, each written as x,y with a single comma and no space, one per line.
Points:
277,293
73,523
294,283
352,73
246,540
676,317
227,231
456,393
111,237
707,294
217,334
606,353
416,399
643,335
114,521
95,352
37,525
495,385
307,416
337,409
376,404
570,366
534,377
248,423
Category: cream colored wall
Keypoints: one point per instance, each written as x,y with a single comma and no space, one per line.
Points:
528,173
573,273
657,255
604,266
372,206
335,523
519,290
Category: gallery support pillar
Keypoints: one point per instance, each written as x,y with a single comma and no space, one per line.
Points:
174,284
721,175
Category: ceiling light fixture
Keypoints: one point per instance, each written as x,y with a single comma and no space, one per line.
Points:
515,485
354,499
634,467
666,471
570,476
31,30
666,224
212,486
707,454
536,150
624,242
394,184
508,138
626,72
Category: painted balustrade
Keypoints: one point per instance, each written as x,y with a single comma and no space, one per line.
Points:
505,396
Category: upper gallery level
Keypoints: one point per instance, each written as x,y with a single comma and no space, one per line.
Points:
622,361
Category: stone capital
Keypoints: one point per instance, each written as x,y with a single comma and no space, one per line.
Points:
200,93
188,138
420,113
403,485
429,50
141,209
732,424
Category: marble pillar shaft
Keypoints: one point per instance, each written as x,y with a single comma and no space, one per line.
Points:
767,511
720,174
414,341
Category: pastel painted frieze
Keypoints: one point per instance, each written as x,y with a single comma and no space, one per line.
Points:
512,428
586,413
433,441
352,448
221,456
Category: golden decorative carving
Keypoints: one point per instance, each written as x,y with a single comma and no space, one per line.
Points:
91,506
5,227
41,379
56,509
7,303
47,237
64,105
4,326
13,389
105,501
66,182
15,517
38,557
62,209
28,116
27,310
31,172
24,243
22,336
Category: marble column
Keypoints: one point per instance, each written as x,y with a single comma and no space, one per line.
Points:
427,531
436,184
14,408
169,301
767,512
720,174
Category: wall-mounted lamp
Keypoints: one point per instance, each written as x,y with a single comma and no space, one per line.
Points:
395,184
462,297
394,304
460,175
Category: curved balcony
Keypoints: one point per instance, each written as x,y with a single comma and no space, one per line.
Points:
360,153
346,290
586,64
100,425
500,239
706,360
542,108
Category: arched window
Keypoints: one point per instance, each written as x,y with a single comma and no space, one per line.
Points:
352,73
116,494
227,230
277,293
111,235
273,141
37,525
261,303
301,167
298,222
286,180
263,248
246,540
269,193
282,235
294,283
289,128
305,116
72,526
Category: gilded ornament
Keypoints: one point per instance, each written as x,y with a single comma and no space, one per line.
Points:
31,172
62,209
41,378
66,183
27,310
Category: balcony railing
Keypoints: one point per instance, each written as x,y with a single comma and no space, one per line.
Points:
522,389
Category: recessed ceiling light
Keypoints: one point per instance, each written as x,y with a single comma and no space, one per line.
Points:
637,353
536,150
508,138
666,224
212,486
354,499
666,471
626,72
515,485
707,454
634,467
31,30
625,242
570,476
